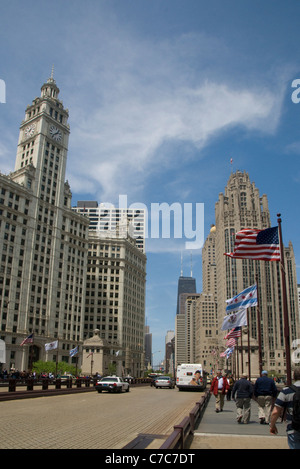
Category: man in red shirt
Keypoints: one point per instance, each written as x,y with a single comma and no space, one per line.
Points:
219,388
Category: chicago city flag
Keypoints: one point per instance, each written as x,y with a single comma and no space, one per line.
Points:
243,300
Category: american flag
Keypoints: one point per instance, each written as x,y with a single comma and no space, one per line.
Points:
231,342
234,333
261,245
28,340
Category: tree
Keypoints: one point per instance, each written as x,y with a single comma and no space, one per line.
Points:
112,368
41,367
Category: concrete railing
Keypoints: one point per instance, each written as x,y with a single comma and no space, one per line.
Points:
12,388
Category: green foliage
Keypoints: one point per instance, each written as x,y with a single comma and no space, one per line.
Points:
50,367
112,368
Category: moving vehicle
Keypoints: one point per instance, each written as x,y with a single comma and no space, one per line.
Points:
164,382
191,377
112,384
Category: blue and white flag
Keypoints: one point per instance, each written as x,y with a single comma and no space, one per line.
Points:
227,352
243,300
73,351
235,319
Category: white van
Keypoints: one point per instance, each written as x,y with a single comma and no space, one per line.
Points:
190,377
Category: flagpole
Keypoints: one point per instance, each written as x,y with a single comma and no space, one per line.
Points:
258,329
285,309
237,359
242,360
56,365
249,364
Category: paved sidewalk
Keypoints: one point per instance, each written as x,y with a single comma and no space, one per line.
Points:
221,430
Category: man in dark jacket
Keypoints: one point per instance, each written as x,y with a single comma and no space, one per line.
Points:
265,392
242,393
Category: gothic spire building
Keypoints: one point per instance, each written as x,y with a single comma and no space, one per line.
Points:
241,206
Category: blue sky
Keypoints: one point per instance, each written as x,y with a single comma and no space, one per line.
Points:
161,95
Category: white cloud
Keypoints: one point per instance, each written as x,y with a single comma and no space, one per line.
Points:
124,138
135,97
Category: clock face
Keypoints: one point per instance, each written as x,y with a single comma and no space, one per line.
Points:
29,131
55,133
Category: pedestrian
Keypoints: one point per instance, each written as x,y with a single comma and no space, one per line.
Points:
219,388
242,393
285,404
265,392
231,384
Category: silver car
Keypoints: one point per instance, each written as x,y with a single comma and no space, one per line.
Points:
164,382
112,384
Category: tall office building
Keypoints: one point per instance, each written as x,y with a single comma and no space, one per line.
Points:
116,282
115,298
241,206
43,242
207,321
110,221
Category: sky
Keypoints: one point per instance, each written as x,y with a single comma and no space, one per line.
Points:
161,95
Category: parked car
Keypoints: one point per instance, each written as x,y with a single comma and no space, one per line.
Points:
112,384
129,379
66,377
164,382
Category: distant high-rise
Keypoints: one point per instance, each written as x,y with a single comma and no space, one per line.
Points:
148,347
185,285
183,331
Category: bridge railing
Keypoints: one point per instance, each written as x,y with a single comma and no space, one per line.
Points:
13,385
183,431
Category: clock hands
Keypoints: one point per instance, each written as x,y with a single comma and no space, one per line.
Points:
55,133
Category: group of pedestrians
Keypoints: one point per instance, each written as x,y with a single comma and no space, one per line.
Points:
242,391
271,403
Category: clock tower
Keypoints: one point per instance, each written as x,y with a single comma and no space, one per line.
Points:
43,145
45,272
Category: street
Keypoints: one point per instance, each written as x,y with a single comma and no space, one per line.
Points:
93,421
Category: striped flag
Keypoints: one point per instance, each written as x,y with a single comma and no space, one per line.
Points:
73,352
243,300
234,333
28,340
227,352
231,342
260,245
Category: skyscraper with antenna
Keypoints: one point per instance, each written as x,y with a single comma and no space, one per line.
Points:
185,285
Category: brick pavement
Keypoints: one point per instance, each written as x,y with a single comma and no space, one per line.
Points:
93,421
